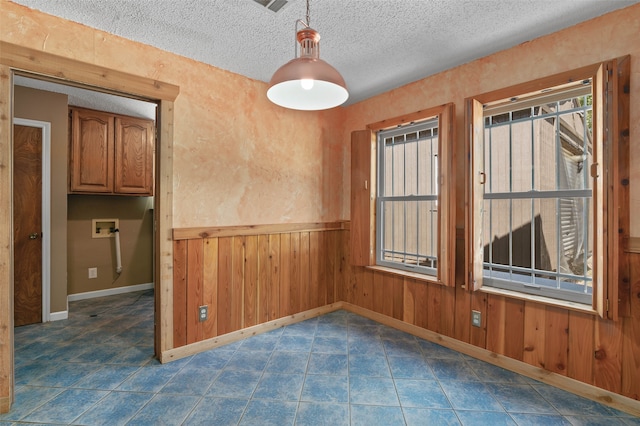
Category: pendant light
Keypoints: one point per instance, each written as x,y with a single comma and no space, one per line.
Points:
307,82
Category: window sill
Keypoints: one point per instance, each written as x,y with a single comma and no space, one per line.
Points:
573,306
420,277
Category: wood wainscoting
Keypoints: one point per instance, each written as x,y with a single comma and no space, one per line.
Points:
255,275
250,275
570,343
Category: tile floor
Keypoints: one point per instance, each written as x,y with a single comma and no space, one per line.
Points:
96,368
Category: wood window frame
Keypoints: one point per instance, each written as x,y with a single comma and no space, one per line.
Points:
363,192
610,82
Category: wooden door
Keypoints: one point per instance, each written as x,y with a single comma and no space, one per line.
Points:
27,224
134,144
91,159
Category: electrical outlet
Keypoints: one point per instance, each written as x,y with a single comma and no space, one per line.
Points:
203,313
476,319
93,273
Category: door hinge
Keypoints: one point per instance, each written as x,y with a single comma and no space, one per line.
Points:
607,304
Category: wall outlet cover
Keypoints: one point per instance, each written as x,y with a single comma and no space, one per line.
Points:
93,273
203,313
476,319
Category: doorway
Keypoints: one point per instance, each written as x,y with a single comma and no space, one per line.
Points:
16,59
31,219
75,249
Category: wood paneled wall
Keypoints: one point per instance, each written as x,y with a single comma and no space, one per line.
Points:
253,276
571,343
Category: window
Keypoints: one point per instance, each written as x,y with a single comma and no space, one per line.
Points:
404,220
407,201
537,196
541,162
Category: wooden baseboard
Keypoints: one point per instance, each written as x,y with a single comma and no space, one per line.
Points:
225,339
585,390
5,404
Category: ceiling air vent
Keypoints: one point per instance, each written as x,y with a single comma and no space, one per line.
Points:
273,5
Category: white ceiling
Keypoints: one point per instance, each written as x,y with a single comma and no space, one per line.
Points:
376,45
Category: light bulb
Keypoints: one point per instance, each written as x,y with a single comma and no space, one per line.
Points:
306,83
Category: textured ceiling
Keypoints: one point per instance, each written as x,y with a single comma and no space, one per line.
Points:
376,45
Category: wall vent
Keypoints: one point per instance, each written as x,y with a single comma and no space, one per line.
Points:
273,5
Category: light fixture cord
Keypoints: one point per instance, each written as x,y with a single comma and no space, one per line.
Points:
306,24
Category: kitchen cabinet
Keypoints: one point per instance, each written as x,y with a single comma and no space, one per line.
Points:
110,154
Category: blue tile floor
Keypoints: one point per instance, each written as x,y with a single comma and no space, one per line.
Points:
97,368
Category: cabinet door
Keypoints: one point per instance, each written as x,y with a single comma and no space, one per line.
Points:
134,156
91,162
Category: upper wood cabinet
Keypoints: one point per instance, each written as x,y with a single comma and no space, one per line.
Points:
133,156
91,156
110,154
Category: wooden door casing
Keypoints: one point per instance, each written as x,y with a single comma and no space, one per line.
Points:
27,220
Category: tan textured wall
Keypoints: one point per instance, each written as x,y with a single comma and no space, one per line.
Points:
52,107
609,36
136,242
238,158
241,160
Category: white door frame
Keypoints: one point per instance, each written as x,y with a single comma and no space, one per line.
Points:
46,211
